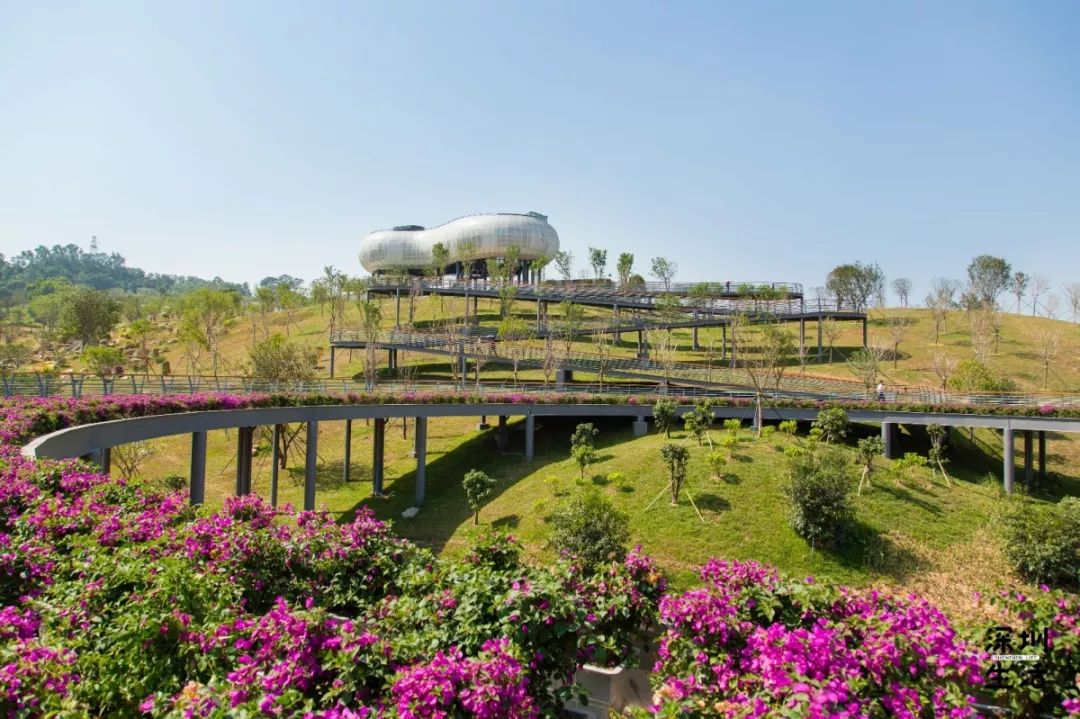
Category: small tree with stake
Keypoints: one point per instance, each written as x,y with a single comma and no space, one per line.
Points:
675,457
478,487
699,420
868,450
938,449
582,446
663,413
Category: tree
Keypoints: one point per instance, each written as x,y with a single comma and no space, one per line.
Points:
440,258
943,366
675,457
590,528
571,318
280,360
663,413
764,356
830,330
833,423
1039,286
902,287
664,270
88,315
603,338
819,493
205,314
598,261
13,355
866,365
855,285
370,321
1072,292
938,435
897,327
478,487
1018,286
623,268
140,332
939,301
582,447
129,457
288,300
989,276
514,333
564,262
102,361
698,421
868,449
1047,343
910,462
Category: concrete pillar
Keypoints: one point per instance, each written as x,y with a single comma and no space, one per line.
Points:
311,462
244,436
377,469
1029,458
502,434
346,468
1042,454
106,460
887,432
274,456
733,352
421,459
696,347
723,342
1009,469
197,485
641,427
820,351
538,325
530,429
802,337
331,361
864,343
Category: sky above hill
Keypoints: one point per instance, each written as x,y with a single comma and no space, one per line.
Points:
754,140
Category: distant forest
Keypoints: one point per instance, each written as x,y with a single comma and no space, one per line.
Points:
100,270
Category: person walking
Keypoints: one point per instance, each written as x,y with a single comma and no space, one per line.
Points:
880,391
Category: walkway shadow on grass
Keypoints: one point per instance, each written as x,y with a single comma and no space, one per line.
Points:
445,508
330,475
865,548
709,502
904,493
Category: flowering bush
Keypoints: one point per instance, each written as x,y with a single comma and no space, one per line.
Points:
753,642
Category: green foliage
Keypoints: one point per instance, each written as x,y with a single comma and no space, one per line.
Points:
623,267
675,457
102,361
88,316
910,462
590,528
833,423
279,359
820,495
663,413
789,427
989,277
971,375
717,463
698,420
582,447
868,449
1042,541
856,285
767,431
732,426
478,487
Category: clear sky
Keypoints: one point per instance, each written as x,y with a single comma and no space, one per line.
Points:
752,140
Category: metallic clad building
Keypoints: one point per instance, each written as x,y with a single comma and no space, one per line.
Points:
409,247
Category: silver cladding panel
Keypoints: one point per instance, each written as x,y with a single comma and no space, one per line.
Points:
493,234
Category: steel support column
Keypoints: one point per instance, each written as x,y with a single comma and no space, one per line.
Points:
377,470
311,461
1009,467
1029,458
331,361
864,343
530,429
820,352
197,485
106,460
346,466
887,432
244,437
274,458
1042,453
421,459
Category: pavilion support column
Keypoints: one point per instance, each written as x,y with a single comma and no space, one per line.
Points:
723,342
820,353
421,459
377,463
331,361
888,430
802,338
346,468
197,486
1009,468
530,431
641,427
1042,454
275,454
311,461
1029,458
244,437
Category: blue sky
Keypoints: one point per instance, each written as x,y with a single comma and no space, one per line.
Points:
752,140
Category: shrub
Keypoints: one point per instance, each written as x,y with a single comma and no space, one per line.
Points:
971,375
820,496
833,423
788,426
1042,541
675,457
717,463
581,446
699,420
478,487
590,528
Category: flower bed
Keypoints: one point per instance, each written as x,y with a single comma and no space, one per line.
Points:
119,600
